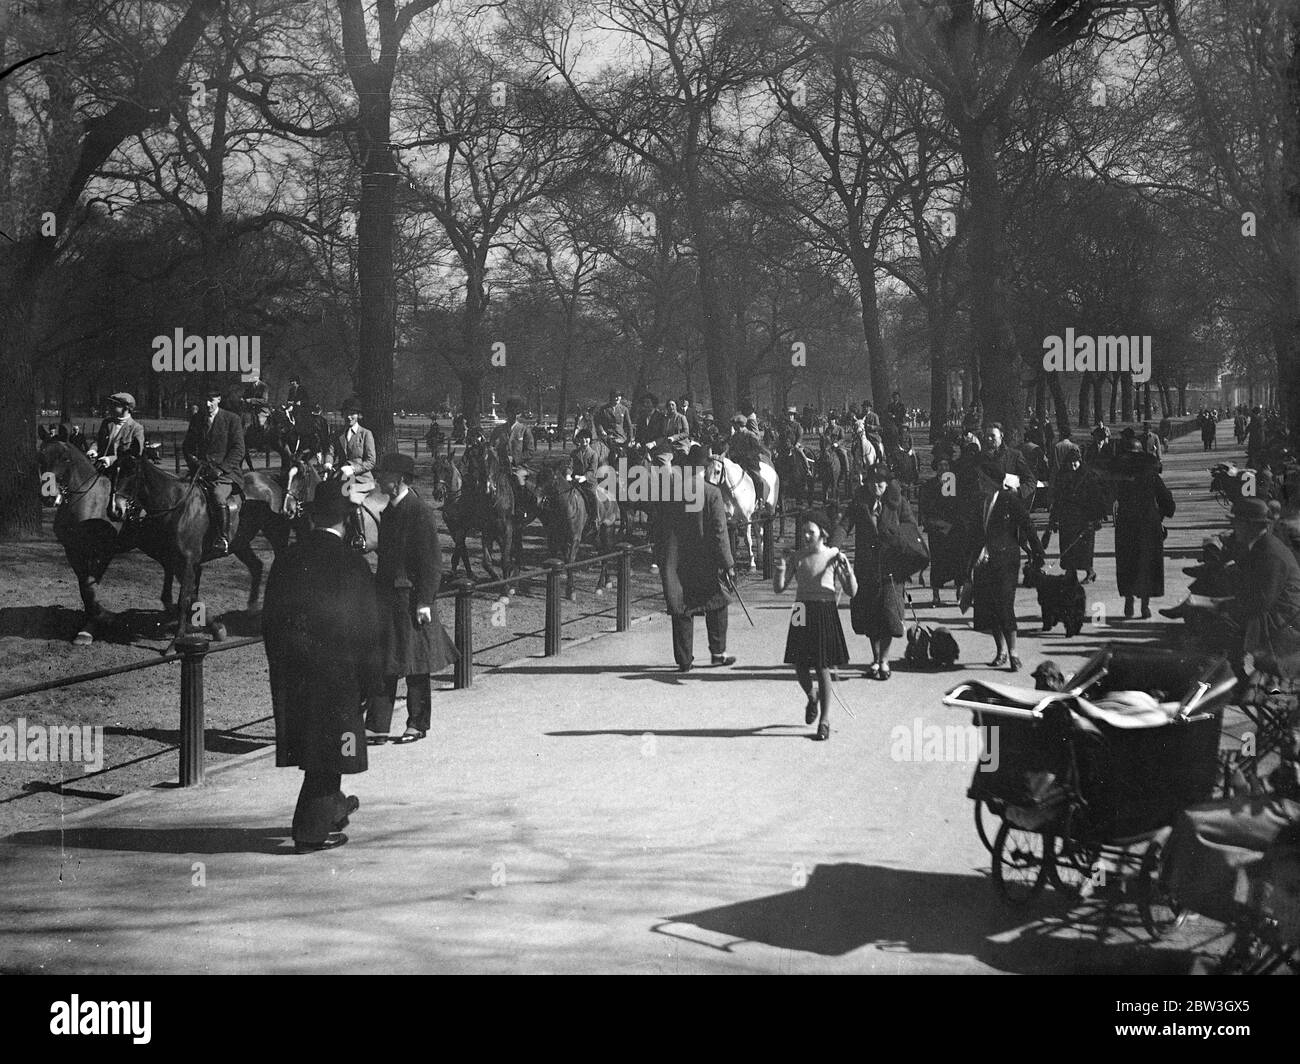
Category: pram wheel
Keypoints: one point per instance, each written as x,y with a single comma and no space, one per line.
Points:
1021,861
986,824
1160,912
1072,864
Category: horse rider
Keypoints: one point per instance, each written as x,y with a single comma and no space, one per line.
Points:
677,428
649,430
692,415
612,424
297,396
117,433
897,411
257,436
287,433
352,451
214,452
584,467
517,438
746,450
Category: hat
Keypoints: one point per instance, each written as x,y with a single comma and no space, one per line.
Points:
211,390
698,455
739,419
331,503
792,410
1070,449
352,406
257,403
1254,510
124,398
819,518
395,462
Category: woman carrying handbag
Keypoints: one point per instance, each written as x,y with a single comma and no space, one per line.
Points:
886,548
1005,527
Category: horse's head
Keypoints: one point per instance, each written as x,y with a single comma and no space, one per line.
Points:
446,478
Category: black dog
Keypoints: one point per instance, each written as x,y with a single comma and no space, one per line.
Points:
1048,677
1060,598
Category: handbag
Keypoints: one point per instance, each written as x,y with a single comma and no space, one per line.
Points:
908,553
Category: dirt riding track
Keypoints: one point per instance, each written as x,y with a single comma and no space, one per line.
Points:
40,611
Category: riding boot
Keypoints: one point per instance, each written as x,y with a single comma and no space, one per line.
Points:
356,531
221,545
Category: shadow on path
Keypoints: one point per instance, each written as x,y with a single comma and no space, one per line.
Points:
845,907
162,840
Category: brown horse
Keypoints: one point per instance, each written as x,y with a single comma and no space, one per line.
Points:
489,496
164,516
564,516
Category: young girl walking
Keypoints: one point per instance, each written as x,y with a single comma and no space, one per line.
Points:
816,637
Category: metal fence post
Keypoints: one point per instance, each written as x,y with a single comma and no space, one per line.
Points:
193,648
556,570
463,677
623,612
417,447
176,454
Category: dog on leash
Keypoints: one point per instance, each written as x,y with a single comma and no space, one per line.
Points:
1061,598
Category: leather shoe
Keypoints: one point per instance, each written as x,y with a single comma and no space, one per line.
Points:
351,806
408,737
330,842
685,668
722,659
376,739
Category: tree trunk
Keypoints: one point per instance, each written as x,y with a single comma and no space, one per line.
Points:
877,368
377,307
1060,406
936,327
992,357
1124,381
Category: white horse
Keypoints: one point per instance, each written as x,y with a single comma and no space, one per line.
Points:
739,497
863,450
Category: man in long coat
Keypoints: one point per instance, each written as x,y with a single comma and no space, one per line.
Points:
410,569
695,564
322,646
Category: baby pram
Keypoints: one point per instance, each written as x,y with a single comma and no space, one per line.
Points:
1086,778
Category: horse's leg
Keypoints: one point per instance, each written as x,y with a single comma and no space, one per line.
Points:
245,553
749,545
91,609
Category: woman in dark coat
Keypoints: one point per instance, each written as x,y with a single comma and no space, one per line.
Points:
1144,503
1078,506
876,611
407,579
941,518
322,648
1004,528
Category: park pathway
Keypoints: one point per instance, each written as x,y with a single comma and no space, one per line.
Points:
600,812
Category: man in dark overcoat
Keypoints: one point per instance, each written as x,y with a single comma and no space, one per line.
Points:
406,580
695,563
322,647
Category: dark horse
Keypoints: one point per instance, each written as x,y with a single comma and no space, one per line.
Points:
564,516
833,469
153,511
489,505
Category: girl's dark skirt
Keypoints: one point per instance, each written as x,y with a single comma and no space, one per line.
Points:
995,598
818,643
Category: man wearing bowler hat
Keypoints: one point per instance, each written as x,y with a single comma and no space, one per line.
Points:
406,581
321,635
695,563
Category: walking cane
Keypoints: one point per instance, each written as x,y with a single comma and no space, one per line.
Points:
731,586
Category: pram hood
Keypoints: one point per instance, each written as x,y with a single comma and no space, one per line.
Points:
1119,709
